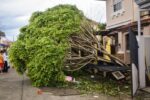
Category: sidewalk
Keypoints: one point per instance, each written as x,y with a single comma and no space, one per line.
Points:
12,87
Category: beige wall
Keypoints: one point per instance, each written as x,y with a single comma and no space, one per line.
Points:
123,50
120,41
146,30
122,17
126,15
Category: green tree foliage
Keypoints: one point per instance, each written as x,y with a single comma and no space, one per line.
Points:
102,26
42,44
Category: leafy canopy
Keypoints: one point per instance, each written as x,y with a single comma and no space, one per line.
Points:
42,44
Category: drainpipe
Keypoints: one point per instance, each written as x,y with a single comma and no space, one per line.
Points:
139,23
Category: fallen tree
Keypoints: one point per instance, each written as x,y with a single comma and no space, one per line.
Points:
84,48
58,39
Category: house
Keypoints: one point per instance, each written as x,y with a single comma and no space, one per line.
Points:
122,14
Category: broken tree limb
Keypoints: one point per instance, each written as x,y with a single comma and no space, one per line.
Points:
85,43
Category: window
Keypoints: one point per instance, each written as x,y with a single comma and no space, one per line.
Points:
117,5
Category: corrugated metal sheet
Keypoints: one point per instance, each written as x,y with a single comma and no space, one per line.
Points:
144,4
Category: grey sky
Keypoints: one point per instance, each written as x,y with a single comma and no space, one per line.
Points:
15,13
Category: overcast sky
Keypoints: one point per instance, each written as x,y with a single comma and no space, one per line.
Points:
15,13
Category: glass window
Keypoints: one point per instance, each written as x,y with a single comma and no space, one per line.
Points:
117,5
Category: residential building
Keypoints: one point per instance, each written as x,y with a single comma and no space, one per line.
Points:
122,14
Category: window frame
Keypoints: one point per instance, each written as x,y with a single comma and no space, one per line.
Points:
117,5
